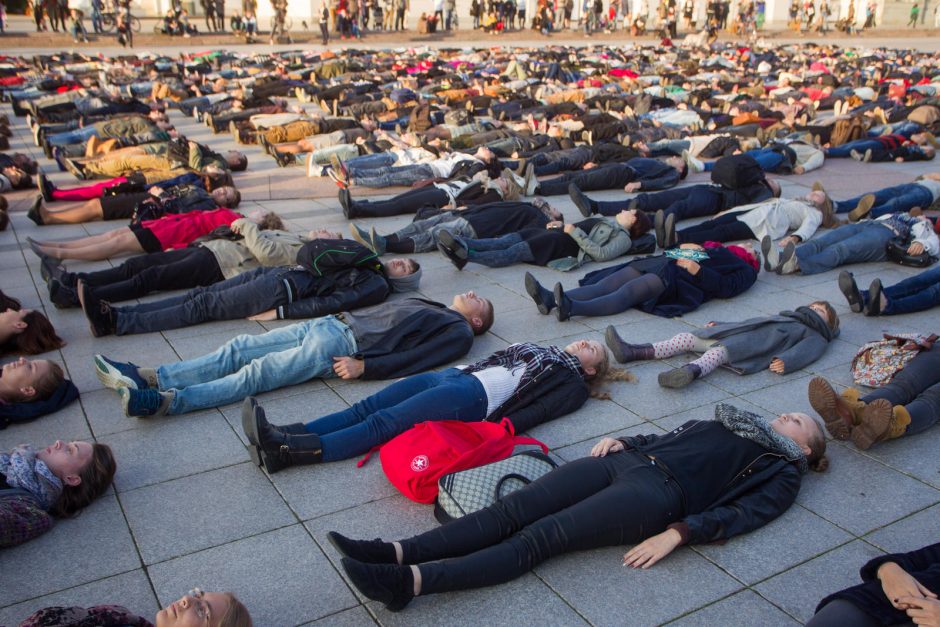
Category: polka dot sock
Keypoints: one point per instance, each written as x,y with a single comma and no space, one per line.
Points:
711,359
681,343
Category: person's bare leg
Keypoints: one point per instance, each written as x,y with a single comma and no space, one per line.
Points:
91,240
288,149
87,211
126,242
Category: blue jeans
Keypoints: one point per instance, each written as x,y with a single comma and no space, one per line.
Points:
431,396
402,175
850,243
499,251
891,200
251,364
78,136
361,165
861,145
767,159
424,232
693,201
239,297
915,293
669,147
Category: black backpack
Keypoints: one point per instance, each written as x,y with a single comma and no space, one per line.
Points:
737,172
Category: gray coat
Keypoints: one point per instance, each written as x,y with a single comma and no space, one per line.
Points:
797,337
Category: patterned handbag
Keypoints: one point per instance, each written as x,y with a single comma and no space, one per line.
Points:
876,363
464,492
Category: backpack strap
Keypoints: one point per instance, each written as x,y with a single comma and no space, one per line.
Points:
521,439
362,462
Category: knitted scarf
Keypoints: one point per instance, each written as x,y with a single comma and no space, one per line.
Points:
757,429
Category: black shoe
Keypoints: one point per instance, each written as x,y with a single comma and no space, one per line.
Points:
624,352
365,551
45,186
453,249
265,144
33,213
390,584
62,296
347,203
669,235
874,299
99,313
562,304
584,204
51,268
850,291
276,448
544,299
679,377
659,227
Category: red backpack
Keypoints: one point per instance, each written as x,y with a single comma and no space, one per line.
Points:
414,460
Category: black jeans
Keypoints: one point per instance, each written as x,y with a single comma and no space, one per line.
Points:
169,270
407,202
685,202
841,612
610,176
917,387
726,228
591,502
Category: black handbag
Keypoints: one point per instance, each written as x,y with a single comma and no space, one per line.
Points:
896,250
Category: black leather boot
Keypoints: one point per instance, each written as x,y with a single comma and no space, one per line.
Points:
277,447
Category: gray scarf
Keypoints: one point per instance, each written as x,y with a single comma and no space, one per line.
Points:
757,429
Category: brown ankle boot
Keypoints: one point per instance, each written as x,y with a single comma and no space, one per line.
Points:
839,411
875,424
900,419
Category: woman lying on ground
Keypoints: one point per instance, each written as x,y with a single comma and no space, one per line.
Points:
25,331
668,285
783,343
898,589
909,404
212,609
711,480
527,383
57,481
150,236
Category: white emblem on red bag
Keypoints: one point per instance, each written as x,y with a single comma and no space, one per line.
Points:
419,463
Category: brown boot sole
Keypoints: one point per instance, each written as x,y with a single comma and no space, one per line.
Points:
825,402
876,418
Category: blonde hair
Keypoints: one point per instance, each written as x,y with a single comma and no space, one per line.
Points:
236,615
602,373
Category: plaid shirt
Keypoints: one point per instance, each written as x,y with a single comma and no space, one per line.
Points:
534,358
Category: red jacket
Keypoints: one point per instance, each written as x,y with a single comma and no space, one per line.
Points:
177,231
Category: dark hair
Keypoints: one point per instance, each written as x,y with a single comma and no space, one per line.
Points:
215,180
641,225
487,319
25,162
23,182
47,386
4,204
240,164
4,219
684,172
833,317
39,336
272,222
236,615
237,199
96,476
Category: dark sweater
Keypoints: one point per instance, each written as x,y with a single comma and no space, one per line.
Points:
498,218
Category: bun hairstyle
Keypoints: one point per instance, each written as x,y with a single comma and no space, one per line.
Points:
96,477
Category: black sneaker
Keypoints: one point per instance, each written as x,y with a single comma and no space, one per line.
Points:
45,186
62,296
99,313
51,268
366,551
346,202
850,290
34,213
874,298
453,249
562,304
534,289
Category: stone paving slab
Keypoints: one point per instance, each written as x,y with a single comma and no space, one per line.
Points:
190,509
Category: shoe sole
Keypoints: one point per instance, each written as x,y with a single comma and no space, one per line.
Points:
532,289
451,244
766,246
876,420
659,226
125,395
849,289
678,378
110,377
613,340
822,398
250,427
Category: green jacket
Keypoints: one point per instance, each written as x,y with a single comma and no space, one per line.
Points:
607,240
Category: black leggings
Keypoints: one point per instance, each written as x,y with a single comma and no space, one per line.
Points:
917,387
170,270
591,502
406,202
726,228
841,612
617,292
611,176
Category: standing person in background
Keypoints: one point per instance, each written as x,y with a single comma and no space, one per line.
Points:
325,22
220,14
96,25
401,8
208,10
915,13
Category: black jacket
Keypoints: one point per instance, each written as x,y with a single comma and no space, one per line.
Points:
923,564
554,392
429,338
348,276
759,493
